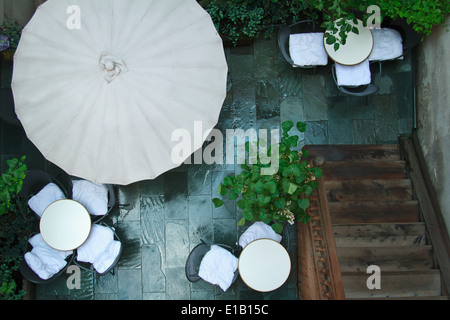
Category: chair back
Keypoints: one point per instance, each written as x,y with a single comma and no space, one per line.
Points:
35,180
195,258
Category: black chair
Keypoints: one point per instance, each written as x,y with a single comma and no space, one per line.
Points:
112,202
410,38
34,181
304,26
33,277
359,91
7,112
194,260
89,266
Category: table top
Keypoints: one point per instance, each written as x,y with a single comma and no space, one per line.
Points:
264,265
356,49
65,225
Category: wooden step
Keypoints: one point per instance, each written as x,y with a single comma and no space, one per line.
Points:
343,170
413,284
369,190
356,152
373,211
388,258
379,234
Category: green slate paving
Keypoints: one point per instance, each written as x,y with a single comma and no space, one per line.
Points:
168,216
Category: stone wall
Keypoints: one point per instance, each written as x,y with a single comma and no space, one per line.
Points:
433,111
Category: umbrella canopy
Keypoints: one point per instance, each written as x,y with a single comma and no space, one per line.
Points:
101,96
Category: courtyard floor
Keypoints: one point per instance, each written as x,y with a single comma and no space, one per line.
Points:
168,216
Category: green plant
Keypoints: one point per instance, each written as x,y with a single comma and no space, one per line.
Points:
236,19
8,285
14,228
12,31
423,15
11,184
277,198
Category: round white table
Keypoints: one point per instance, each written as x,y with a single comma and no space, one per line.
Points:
65,225
264,265
356,49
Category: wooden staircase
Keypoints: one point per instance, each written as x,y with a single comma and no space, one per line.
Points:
376,219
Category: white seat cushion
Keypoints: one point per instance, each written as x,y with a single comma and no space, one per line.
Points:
258,230
97,242
353,75
44,260
387,44
91,195
106,258
218,267
306,49
49,194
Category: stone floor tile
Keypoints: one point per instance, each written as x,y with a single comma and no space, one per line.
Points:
316,132
200,219
129,233
176,243
386,118
152,220
267,101
363,131
314,99
130,284
265,57
153,278
177,285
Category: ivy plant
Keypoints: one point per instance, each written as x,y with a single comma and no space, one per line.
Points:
277,198
11,184
15,226
422,15
235,19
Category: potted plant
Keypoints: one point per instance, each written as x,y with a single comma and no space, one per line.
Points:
278,198
9,39
14,230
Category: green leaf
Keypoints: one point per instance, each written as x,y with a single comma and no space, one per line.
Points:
241,203
277,227
259,187
307,190
292,188
217,202
263,199
227,181
301,126
271,186
233,195
247,215
287,125
280,203
317,172
303,203
331,39
241,222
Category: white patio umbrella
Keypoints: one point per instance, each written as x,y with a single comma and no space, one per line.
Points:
101,85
